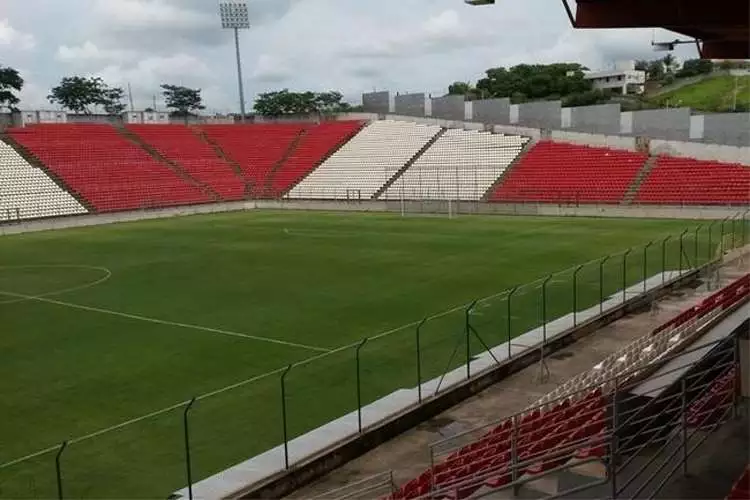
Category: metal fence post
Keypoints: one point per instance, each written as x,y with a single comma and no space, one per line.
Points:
625,274
419,360
744,227
721,243
664,258
467,328
58,469
544,312
645,264
682,248
359,386
613,440
601,283
188,464
509,322
695,250
710,239
283,415
683,418
575,295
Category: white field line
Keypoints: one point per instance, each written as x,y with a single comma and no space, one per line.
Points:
165,322
107,276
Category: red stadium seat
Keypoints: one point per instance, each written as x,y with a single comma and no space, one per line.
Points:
553,172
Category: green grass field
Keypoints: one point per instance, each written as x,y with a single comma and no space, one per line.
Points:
107,324
713,94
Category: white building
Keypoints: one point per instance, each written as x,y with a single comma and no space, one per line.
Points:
624,78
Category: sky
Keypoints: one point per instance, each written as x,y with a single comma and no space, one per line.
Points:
353,46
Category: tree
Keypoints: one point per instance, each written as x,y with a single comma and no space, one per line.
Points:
10,83
465,89
641,65
183,100
79,94
670,63
111,100
655,70
534,82
285,103
587,98
695,67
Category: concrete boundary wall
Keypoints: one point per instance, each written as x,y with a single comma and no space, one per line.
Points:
411,208
702,151
608,141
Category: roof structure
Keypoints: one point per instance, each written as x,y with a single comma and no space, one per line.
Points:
722,26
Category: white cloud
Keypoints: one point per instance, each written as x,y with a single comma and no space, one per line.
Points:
271,69
11,37
151,14
90,52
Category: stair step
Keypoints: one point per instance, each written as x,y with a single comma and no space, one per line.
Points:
409,163
173,165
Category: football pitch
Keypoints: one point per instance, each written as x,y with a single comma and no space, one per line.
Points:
106,332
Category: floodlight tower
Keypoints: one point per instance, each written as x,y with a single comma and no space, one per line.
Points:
235,16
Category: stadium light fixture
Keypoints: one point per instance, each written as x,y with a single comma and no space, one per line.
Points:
479,2
669,46
235,16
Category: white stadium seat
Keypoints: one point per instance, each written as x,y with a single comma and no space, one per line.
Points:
26,192
461,165
366,163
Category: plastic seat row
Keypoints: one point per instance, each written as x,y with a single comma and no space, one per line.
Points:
180,144
460,165
712,404
685,181
544,440
102,166
26,192
367,162
568,173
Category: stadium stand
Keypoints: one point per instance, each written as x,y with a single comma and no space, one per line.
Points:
315,145
104,168
460,165
257,149
360,168
684,181
179,144
553,172
571,423
26,192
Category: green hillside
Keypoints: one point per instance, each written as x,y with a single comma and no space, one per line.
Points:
713,95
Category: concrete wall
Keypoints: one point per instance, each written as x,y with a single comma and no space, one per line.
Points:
452,107
495,111
542,114
410,104
377,102
601,119
699,151
410,207
607,141
671,124
6,120
732,129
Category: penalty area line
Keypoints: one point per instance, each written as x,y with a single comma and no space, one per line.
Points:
166,322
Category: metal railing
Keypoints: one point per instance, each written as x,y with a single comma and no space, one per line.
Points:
629,428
